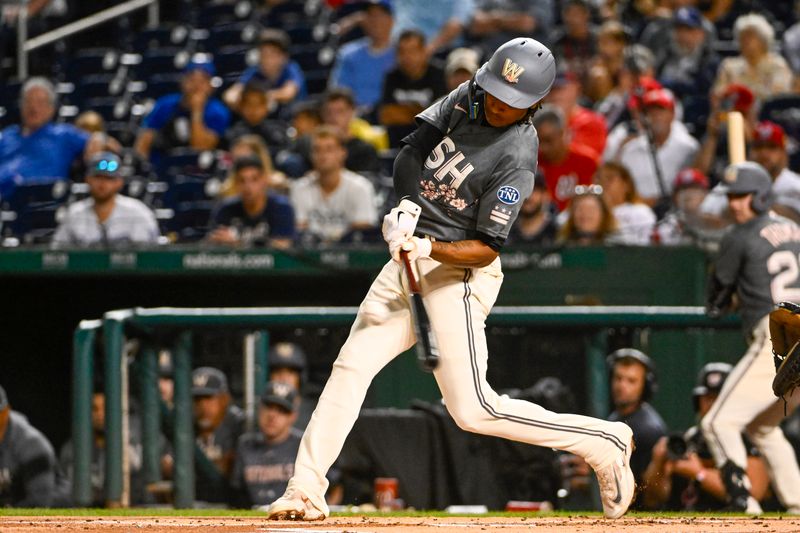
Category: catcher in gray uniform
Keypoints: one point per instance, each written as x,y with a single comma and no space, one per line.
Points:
468,166
758,261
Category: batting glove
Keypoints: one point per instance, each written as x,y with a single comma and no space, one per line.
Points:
401,221
417,248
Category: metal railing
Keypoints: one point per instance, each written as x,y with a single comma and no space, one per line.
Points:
25,45
116,326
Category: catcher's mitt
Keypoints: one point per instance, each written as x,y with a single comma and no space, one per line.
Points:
784,328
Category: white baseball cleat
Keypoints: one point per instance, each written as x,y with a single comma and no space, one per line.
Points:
617,486
294,505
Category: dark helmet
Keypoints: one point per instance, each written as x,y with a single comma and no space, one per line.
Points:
710,380
519,73
749,177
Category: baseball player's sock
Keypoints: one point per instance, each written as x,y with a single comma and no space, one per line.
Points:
294,505
617,486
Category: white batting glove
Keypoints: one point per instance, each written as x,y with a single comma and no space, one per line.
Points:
417,248
401,221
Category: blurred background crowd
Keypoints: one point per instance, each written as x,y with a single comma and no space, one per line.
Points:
275,122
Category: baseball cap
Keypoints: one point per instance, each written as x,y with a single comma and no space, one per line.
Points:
659,98
280,394
201,62
105,164
739,96
645,85
208,381
385,4
287,355
519,73
461,59
3,399
690,177
688,16
769,133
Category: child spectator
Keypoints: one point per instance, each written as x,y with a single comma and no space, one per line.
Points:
282,79
192,118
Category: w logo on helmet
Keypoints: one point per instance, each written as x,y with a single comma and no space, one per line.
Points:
511,71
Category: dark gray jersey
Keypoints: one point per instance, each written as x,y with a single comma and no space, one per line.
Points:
474,181
262,470
27,466
762,258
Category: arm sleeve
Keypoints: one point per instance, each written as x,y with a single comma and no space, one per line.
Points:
149,231
408,163
159,115
729,261
77,140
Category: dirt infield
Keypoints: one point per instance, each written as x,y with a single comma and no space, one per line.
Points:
31,524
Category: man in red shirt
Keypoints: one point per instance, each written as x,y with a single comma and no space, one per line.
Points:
563,164
586,127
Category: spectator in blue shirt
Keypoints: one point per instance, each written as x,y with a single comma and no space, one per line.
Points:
362,64
192,118
254,217
38,149
282,78
441,21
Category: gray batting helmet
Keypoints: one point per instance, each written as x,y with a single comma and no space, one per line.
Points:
519,73
746,178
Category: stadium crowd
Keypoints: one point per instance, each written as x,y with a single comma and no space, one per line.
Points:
275,123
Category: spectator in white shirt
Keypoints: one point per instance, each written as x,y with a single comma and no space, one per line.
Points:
635,219
106,218
331,201
675,148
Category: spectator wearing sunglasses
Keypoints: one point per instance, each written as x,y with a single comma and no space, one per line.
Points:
106,218
590,221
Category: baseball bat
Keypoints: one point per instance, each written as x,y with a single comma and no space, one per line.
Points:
736,149
427,348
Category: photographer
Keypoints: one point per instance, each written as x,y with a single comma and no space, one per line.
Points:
681,474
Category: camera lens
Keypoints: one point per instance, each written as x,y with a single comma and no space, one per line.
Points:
676,446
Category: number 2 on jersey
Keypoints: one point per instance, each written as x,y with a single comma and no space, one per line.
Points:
783,265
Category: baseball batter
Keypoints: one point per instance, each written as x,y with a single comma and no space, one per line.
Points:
759,261
469,165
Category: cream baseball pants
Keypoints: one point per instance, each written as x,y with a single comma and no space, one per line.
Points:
458,300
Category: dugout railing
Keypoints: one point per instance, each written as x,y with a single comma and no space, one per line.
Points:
173,327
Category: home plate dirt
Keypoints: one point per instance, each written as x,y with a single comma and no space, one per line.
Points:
26,524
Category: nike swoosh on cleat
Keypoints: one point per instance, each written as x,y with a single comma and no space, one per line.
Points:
619,492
